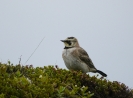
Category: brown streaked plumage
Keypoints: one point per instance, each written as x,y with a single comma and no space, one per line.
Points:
76,58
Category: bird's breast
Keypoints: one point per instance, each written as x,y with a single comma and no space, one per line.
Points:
68,58
67,54
72,62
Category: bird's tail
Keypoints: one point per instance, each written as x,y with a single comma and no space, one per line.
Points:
102,73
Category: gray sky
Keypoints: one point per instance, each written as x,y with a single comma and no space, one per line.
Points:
104,29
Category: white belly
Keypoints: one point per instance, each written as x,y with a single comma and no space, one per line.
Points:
73,63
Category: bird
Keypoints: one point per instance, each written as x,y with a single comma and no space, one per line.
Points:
76,58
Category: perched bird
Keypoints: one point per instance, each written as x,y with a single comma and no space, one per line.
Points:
76,58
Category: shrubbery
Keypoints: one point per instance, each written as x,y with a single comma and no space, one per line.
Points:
50,82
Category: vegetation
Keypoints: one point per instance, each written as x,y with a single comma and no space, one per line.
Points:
51,82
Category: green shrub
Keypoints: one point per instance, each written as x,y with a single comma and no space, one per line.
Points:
50,82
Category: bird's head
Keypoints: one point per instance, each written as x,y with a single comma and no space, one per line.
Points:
70,42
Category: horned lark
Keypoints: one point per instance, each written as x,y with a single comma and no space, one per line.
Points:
76,58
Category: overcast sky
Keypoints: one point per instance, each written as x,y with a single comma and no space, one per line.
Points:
104,29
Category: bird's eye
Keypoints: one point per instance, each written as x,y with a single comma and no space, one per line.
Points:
69,42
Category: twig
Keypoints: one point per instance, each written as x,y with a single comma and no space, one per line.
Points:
20,59
34,50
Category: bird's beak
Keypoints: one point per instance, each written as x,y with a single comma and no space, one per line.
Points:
63,40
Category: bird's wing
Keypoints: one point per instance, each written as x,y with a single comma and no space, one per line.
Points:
83,56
